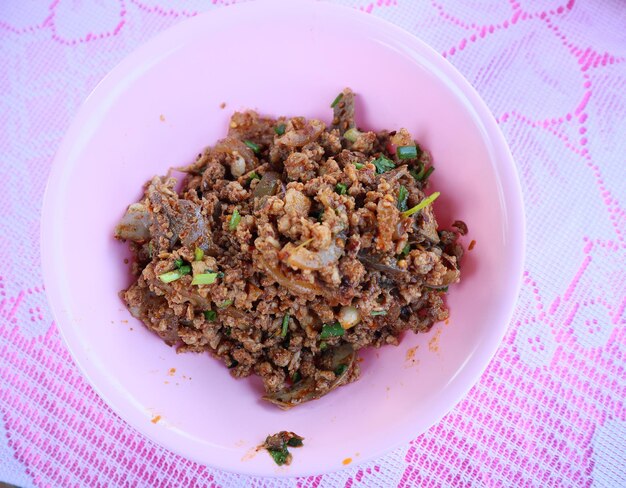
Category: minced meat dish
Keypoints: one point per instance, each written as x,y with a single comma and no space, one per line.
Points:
289,246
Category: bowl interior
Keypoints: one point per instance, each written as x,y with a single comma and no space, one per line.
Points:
158,109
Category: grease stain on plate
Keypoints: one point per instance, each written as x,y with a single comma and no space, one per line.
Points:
250,454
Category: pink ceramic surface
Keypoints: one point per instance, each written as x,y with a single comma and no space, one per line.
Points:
159,108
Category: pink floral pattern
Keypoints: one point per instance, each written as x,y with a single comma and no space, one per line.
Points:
549,410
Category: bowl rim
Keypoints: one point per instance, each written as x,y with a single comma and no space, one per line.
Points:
512,203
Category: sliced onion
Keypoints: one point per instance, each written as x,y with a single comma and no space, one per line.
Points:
373,262
267,186
302,258
135,224
295,285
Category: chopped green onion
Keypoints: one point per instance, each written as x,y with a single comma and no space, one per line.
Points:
228,331
341,188
210,315
220,275
424,203
336,100
225,304
204,279
280,129
406,250
352,134
403,194
383,164
295,378
178,263
285,328
359,165
280,456
176,274
443,289
332,330
341,369
295,441
429,171
256,149
423,173
234,220
323,346
406,152
253,176
198,254
373,313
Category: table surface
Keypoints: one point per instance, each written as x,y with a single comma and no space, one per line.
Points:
550,409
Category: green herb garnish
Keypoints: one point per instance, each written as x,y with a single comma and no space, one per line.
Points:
341,188
198,254
285,328
424,203
204,279
256,149
296,377
359,165
176,274
280,129
406,250
295,441
423,173
280,456
383,164
323,346
332,330
253,176
336,100
403,194
235,218
352,134
210,315
225,304
373,313
406,152
178,263
341,369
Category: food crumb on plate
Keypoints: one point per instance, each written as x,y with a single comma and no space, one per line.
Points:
471,245
433,344
223,105
410,353
171,371
346,461
155,419
162,118
277,446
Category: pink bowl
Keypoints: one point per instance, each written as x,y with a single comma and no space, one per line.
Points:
159,108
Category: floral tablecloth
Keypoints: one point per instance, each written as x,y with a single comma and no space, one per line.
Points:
550,409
